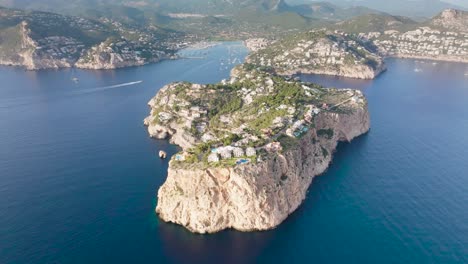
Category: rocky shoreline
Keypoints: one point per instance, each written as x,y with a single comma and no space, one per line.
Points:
208,197
429,58
254,197
30,61
356,72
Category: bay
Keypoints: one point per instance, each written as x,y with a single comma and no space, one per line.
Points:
79,174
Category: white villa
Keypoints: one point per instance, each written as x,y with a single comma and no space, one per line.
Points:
213,157
250,152
238,152
226,153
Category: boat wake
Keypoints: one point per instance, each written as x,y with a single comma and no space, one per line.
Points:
15,102
98,89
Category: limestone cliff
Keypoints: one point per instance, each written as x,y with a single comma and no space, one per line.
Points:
26,53
254,197
208,197
451,19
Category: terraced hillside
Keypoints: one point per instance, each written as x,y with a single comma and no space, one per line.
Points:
320,52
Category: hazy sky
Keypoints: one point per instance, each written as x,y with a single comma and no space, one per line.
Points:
412,8
463,3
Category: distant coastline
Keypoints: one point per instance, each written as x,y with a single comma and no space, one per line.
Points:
428,58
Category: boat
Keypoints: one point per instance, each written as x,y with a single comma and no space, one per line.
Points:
76,80
417,70
162,154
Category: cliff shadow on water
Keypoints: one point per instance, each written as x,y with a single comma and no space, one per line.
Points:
231,246
246,247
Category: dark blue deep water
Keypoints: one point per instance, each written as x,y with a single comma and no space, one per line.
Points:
79,174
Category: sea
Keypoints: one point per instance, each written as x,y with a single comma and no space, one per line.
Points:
79,174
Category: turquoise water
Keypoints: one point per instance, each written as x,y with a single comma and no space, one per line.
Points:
78,173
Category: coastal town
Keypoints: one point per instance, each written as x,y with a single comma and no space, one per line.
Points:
423,42
38,40
47,40
320,52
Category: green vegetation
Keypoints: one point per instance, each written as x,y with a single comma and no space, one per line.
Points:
317,50
375,23
227,104
326,133
10,40
230,139
325,152
287,142
264,121
253,109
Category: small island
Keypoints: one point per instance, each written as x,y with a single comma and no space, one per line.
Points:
251,146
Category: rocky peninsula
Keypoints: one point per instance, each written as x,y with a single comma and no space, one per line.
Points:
251,146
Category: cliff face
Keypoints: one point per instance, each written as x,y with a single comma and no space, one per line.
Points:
22,46
114,54
356,71
106,60
27,54
452,19
255,196
175,131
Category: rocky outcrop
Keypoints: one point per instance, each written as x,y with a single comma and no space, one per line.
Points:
118,54
257,196
174,130
452,19
28,55
113,55
256,44
70,52
356,71
106,61
210,196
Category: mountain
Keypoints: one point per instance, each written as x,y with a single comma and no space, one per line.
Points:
205,7
410,8
326,10
179,6
447,20
451,19
228,19
225,18
375,22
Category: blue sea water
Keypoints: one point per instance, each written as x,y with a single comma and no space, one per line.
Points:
79,174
